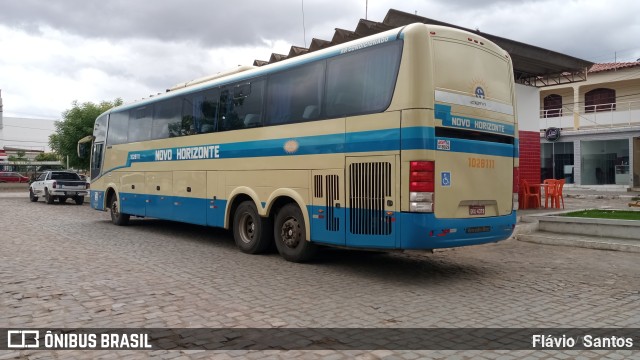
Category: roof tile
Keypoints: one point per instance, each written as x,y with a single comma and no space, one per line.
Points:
612,66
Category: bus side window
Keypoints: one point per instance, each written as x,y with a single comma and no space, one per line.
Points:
166,119
140,122
199,112
241,105
296,95
209,109
96,160
363,81
118,128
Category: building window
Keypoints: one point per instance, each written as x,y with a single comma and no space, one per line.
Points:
600,100
605,162
552,106
556,161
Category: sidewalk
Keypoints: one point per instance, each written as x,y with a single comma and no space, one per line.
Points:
577,198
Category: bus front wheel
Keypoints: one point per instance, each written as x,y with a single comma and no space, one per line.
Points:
251,232
117,217
291,236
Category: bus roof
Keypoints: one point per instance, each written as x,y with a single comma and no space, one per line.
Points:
249,72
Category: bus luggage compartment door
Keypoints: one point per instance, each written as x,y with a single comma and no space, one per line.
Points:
372,201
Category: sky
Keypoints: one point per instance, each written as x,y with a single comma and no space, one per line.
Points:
55,52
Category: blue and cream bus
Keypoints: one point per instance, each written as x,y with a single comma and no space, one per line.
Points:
406,139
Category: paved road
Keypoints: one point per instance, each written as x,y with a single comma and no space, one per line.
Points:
68,266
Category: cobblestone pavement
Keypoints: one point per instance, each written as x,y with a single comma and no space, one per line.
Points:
68,266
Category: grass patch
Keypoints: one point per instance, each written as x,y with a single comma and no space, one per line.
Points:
606,214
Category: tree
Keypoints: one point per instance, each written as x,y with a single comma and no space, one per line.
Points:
77,123
19,157
47,157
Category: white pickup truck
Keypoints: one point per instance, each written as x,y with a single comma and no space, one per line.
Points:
59,185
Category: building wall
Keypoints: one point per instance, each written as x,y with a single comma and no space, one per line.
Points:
528,105
620,129
26,133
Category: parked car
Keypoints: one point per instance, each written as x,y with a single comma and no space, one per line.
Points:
12,177
59,185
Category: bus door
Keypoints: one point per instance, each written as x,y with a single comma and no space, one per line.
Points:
372,201
327,214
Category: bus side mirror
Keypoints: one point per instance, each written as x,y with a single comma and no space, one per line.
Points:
83,150
84,146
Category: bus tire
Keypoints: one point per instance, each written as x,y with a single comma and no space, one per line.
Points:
79,200
48,197
291,236
117,217
251,232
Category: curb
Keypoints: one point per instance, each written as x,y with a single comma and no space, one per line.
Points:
587,242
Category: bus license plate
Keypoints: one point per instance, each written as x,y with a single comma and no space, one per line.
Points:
476,209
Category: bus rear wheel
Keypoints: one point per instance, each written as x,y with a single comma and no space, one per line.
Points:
251,232
117,217
291,235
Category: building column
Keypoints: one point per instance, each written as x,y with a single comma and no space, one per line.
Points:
577,162
576,107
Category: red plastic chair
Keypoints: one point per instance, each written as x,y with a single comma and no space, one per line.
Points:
549,191
557,195
529,196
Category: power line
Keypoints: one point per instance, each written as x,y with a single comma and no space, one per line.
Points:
26,127
9,114
32,141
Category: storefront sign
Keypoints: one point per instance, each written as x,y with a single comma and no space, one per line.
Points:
552,134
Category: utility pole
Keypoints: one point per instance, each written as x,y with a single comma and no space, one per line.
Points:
366,10
1,125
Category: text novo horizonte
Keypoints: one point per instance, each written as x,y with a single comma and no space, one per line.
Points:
188,153
478,125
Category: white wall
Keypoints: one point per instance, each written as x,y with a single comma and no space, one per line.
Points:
528,104
32,134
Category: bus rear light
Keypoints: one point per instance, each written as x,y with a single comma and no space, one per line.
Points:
421,176
87,186
421,197
421,186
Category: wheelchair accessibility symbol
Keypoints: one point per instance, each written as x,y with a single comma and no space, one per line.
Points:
445,178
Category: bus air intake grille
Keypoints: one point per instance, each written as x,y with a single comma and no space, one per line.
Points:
370,184
317,186
333,195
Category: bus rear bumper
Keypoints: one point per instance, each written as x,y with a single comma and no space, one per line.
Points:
421,231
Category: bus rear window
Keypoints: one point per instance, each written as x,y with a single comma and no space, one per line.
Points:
466,68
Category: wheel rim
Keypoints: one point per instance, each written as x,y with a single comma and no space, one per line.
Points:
247,228
291,233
